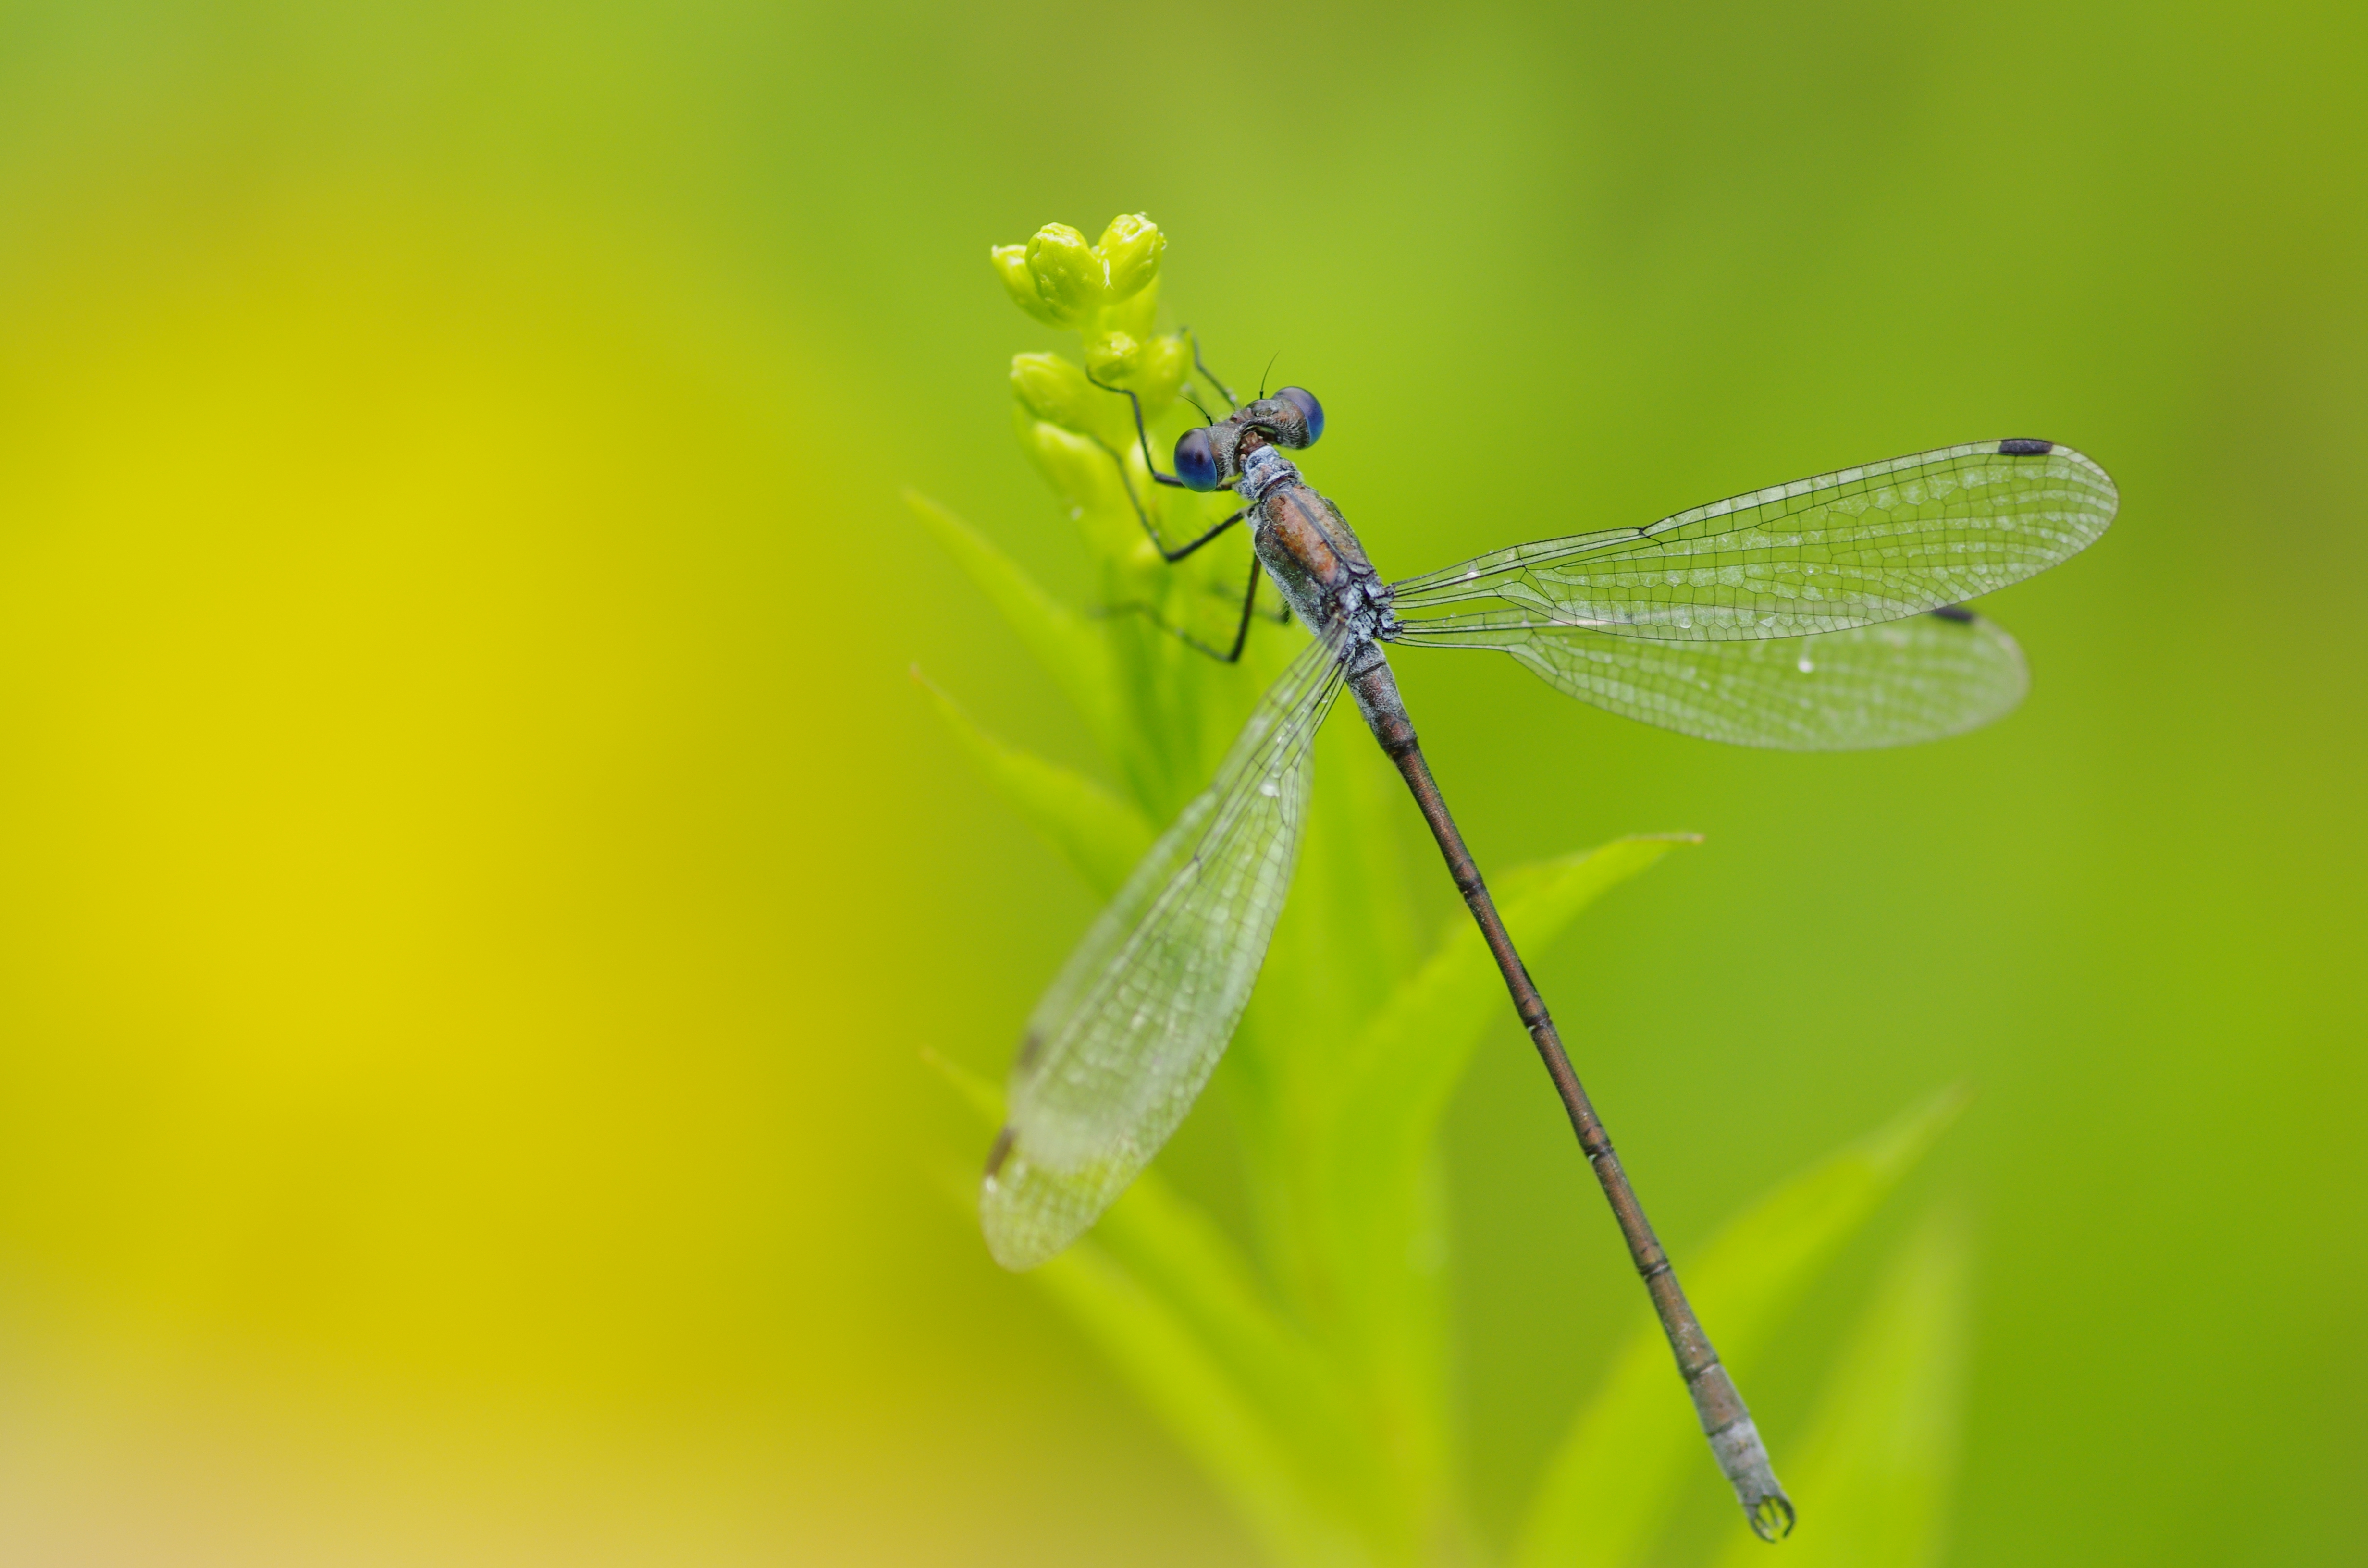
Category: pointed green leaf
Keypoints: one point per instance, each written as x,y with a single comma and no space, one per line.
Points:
1349,920
1100,836
1220,1407
1168,1296
1200,1403
1606,1492
1071,650
1345,1137
1872,1477
1410,1055
1183,1260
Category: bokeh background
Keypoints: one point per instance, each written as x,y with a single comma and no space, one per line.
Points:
476,876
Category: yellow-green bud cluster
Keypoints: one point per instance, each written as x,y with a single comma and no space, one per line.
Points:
1062,281
1108,292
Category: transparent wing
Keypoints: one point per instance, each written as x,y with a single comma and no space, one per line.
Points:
1902,681
1123,1040
1853,548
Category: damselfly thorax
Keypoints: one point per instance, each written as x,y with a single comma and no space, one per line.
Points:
1314,557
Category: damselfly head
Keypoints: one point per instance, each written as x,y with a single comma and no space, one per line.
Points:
1212,455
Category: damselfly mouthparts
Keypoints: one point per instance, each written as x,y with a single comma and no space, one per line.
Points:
1824,614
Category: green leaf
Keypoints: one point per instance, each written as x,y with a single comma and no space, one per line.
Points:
1010,263
1100,836
1873,1475
1200,1402
1187,1263
1606,1491
1344,1134
1411,1055
1179,1311
1072,652
1089,471
1374,1210
1055,391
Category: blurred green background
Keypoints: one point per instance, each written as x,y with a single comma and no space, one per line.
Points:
474,877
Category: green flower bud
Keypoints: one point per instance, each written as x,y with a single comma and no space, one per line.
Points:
1079,433
1053,389
1151,368
1062,281
1130,250
1070,277
1011,265
1112,357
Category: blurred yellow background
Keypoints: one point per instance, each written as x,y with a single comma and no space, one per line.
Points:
474,877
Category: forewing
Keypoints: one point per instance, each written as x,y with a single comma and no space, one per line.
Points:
1853,548
1123,1040
1915,680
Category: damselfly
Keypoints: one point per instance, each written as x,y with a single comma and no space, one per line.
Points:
1824,614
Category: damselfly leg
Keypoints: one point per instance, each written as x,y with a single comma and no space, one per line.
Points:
1232,655
1143,436
1207,374
1150,529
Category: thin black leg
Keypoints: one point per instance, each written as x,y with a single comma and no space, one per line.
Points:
1211,376
1151,529
1139,434
1173,556
1250,609
1241,630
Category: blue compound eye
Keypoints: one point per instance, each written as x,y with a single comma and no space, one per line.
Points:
1305,400
1196,461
